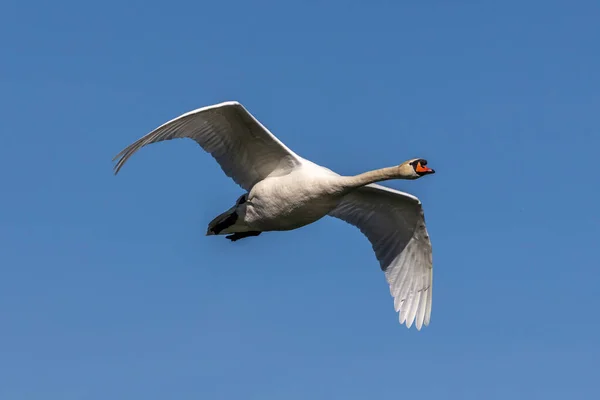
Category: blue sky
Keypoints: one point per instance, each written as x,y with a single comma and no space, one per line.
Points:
110,290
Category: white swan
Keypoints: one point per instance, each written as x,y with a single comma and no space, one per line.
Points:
286,191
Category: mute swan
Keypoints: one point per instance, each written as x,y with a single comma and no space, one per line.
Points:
285,191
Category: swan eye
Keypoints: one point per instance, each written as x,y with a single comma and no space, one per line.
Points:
416,163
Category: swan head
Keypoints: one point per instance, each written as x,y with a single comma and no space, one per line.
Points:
415,168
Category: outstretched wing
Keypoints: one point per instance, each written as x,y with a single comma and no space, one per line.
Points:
246,150
394,223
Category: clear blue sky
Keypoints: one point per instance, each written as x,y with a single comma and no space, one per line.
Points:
110,290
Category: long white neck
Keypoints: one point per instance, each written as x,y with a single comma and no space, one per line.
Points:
378,175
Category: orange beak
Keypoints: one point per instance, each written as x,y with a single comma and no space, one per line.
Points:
421,168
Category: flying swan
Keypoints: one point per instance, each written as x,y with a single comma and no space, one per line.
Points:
285,191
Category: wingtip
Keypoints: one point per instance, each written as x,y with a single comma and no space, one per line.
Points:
116,168
417,323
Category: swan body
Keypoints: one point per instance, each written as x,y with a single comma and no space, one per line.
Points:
285,191
292,201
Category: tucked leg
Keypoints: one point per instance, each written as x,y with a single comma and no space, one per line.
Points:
240,235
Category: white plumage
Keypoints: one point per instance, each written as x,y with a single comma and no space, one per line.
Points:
286,191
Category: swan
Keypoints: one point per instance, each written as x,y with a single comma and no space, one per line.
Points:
284,191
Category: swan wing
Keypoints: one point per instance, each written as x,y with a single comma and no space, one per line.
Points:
245,149
394,223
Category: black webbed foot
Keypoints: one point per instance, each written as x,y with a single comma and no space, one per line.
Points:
240,235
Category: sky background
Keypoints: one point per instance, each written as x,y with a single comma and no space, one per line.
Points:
110,290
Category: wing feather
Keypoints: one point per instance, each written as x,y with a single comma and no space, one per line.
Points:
394,223
246,151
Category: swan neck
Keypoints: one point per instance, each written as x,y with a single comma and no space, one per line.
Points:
377,175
